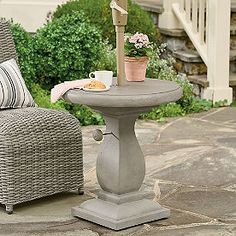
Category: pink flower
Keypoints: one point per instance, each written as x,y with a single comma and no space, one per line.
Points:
138,44
132,40
139,38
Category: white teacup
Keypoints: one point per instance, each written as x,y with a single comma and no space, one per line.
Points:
104,76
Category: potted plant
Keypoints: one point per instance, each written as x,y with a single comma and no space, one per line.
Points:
137,49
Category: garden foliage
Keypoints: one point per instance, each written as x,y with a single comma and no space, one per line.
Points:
70,47
24,48
67,48
99,14
32,62
161,67
84,114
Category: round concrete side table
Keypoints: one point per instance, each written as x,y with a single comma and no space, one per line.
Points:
120,163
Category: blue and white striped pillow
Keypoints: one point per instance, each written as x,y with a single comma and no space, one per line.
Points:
13,91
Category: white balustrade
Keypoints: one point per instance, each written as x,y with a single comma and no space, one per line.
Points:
202,20
191,14
207,23
188,10
168,19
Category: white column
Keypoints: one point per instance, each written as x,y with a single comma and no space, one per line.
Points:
167,19
218,41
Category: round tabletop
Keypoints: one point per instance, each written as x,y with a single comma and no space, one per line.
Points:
150,93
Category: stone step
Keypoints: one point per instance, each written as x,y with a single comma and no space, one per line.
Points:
199,79
178,39
233,42
232,80
182,42
187,56
200,83
191,56
202,80
189,62
233,30
181,32
232,55
173,32
190,68
233,7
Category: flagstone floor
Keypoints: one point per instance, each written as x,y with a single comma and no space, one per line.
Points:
192,158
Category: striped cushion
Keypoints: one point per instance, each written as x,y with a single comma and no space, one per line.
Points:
13,91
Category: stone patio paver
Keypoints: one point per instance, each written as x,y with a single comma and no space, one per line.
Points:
194,160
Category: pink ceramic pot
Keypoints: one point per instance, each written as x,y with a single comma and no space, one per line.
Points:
135,68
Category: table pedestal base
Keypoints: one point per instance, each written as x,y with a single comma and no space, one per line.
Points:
120,211
120,164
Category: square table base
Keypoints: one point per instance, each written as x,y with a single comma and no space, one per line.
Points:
120,215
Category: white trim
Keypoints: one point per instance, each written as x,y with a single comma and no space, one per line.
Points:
188,27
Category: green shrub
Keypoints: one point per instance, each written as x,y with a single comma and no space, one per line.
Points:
162,68
169,110
100,14
233,104
66,49
108,59
24,49
141,21
53,57
84,114
198,105
42,98
221,103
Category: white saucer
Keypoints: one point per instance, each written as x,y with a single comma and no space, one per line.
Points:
95,90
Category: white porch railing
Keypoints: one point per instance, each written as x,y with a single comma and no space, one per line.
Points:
192,15
207,23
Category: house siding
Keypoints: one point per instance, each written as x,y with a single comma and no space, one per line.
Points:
31,14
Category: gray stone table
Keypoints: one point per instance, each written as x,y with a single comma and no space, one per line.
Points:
120,163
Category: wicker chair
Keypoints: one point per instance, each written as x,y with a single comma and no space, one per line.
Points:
40,149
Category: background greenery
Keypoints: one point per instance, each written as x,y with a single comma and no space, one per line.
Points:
24,48
74,44
99,13
67,48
